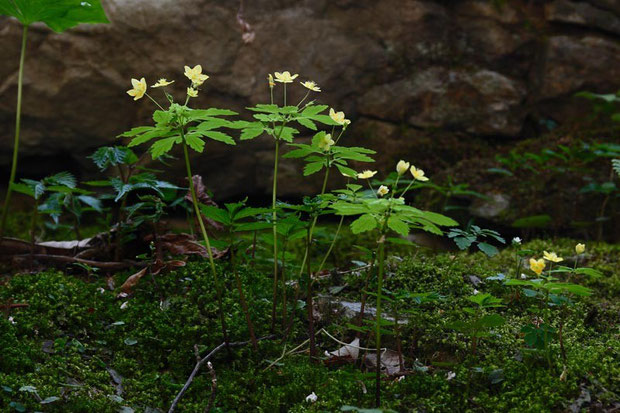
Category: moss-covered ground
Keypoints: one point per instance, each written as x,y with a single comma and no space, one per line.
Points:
76,339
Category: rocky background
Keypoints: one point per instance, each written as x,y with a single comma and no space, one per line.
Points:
421,80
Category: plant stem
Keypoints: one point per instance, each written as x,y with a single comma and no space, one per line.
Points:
244,304
331,246
18,117
33,223
283,279
309,304
314,220
205,237
378,316
274,219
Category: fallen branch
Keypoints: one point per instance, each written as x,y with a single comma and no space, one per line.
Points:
111,265
200,362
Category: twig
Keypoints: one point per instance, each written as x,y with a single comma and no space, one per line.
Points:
112,265
201,361
213,387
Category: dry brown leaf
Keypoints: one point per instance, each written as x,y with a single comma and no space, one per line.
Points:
133,280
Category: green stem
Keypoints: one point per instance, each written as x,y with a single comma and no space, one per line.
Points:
18,117
309,304
274,219
314,220
242,300
205,238
378,316
331,246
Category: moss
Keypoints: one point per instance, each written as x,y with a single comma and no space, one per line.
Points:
69,338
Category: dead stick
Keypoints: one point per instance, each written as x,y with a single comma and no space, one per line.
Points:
100,264
202,361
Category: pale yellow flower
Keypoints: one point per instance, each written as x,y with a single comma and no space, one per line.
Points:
309,84
383,190
195,75
326,142
402,167
163,82
191,92
139,88
338,117
418,174
367,174
552,256
580,248
270,81
285,77
537,265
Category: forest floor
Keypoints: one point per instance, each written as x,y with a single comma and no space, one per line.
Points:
78,346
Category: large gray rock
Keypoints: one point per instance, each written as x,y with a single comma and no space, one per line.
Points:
476,101
583,14
467,67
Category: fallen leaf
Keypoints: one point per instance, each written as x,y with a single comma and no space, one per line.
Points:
390,362
351,350
133,280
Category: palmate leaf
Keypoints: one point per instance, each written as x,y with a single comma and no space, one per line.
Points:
399,226
59,15
364,223
194,142
163,146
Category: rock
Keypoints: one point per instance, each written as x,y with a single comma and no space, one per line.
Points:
490,208
575,63
583,14
477,101
402,68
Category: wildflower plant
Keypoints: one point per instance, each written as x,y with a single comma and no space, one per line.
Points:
383,213
275,121
552,293
58,16
179,124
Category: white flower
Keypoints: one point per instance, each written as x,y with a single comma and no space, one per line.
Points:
124,305
312,397
383,190
122,295
402,167
523,276
450,375
12,321
516,241
476,291
101,290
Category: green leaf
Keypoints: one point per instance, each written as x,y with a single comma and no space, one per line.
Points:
589,271
219,136
302,151
216,214
251,133
313,167
346,170
62,178
59,15
488,249
398,226
194,142
364,223
491,320
163,146
307,123
311,110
